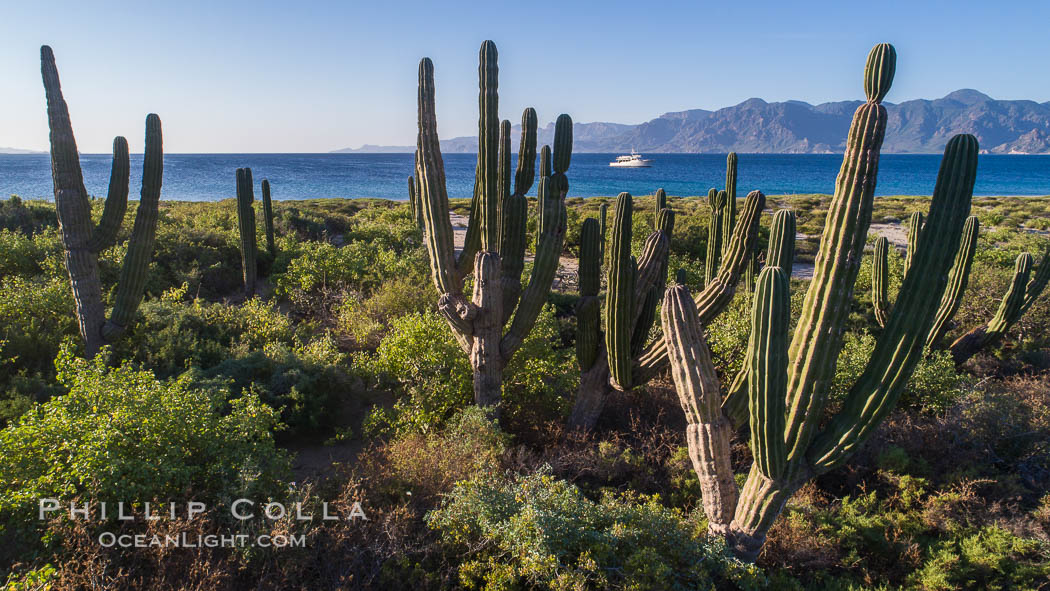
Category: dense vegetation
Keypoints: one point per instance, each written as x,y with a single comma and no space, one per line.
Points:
340,383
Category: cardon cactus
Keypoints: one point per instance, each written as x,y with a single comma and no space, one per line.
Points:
788,384
494,247
1026,286
624,361
780,254
634,289
271,246
81,241
246,226
603,211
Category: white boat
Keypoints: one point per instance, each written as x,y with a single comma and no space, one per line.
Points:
634,160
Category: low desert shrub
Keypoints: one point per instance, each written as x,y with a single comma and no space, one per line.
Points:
539,532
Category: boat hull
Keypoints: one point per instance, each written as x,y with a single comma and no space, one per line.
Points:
635,164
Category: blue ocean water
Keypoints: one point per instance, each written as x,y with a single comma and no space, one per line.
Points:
210,177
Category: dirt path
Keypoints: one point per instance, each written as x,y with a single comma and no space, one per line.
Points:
564,280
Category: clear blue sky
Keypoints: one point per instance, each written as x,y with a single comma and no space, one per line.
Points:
312,76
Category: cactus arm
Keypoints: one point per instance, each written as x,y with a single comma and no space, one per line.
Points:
143,234
552,226
1035,287
526,171
488,146
431,192
1009,311
660,203
914,228
818,336
652,278
603,210
412,195
781,255
472,237
74,210
620,296
714,236
729,218
513,214
267,203
105,234
901,345
708,432
782,241
767,361
957,281
719,292
880,281
246,225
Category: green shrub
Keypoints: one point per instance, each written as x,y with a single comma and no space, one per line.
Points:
421,356
296,370
121,434
317,268
367,320
542,533
934,386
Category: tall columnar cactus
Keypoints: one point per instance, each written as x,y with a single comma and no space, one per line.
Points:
603,211
792,440
626,323
729,217
718,292
495,242
246,226
82,242
716,199
781,254
660,203
914,228
634,289
1026,286
880,279
271,246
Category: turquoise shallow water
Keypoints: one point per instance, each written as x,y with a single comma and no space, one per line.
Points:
210,177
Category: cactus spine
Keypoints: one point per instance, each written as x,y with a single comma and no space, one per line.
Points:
494,247
271,246
787,446
246,225
80,241
880,270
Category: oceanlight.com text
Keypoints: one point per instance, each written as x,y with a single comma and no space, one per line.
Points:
185,540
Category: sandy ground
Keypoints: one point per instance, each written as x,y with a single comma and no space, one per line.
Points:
566,278
568,267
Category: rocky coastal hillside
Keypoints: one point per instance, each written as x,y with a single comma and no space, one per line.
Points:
916,126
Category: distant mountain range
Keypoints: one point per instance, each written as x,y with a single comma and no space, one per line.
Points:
794,127
19,151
